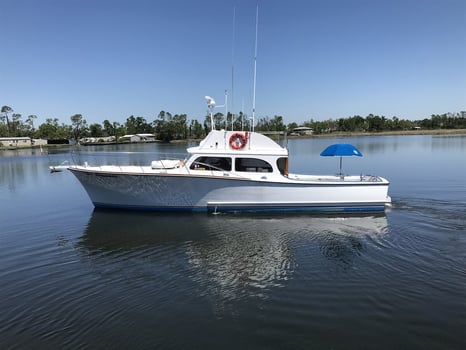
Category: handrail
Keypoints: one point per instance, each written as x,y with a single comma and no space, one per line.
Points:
122,158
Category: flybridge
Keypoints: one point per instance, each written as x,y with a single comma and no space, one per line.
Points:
226,141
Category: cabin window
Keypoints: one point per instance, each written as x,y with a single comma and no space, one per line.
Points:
252,165
211,163
282,164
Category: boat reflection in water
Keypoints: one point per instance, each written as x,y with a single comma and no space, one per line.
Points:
227,256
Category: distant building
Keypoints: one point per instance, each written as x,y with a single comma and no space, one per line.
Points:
39,142
18,142
91,140
138,138
15,142
146,137
302,130
129,138
58,142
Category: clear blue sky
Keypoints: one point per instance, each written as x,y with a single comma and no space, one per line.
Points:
319,59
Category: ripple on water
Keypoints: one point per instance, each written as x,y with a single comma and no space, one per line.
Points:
281,275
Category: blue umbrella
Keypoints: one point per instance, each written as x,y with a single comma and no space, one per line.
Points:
341,150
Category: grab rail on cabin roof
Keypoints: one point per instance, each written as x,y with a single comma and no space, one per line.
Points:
122,158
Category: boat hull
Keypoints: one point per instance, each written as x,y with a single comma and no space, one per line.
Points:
175,192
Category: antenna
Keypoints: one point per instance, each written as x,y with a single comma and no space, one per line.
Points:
255,63
233,69
242,115
226,110
211,105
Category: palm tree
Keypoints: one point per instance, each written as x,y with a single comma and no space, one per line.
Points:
5,111
30,123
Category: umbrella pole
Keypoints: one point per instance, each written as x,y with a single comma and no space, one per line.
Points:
340,165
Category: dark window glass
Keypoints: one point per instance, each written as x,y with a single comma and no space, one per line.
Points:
282,164
253,165
211,163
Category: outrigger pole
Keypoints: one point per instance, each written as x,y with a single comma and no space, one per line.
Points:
255,64
233,71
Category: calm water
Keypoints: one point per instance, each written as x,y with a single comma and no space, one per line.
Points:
72,277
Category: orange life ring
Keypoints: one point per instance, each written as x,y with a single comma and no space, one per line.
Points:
238,140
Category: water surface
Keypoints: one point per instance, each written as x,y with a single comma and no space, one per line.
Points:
75,277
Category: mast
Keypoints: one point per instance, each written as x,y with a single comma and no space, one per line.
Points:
255,64
233,70
226,110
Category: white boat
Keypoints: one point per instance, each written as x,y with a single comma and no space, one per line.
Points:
230,171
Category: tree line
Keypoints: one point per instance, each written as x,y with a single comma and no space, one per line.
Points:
167,127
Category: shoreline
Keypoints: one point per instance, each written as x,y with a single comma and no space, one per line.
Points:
436,132
342,134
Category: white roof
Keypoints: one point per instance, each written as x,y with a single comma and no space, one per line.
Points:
218,141
139,135
302,128
14,138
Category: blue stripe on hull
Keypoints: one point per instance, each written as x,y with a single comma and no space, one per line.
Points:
312,209
150,208
254,208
